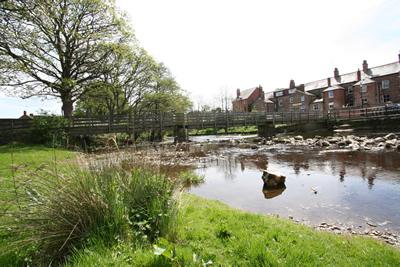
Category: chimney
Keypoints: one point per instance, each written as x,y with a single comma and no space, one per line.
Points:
399,56
329,82
336,73
292,85
238,93
358,75
24,112
365,66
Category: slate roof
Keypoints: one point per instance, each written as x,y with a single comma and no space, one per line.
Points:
319,100
246,93
365,80
382,70
332,88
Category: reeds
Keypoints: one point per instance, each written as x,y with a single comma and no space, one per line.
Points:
53,212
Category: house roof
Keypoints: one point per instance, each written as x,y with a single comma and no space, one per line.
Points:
332,88
246,93
382,70
319,100
365,80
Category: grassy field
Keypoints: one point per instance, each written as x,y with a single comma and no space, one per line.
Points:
30,157
210,232
205,233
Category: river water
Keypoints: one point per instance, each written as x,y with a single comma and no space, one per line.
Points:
354,189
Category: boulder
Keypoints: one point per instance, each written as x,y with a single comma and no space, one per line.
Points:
325,143
379,140
390,136
298,138
272,180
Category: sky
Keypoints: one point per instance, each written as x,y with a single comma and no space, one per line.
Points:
212,46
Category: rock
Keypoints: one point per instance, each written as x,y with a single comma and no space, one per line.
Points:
334,140
379,140
388,145
298,138
273,180
390,136
369,142
341,144
325,143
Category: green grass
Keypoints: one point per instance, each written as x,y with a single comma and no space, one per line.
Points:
231,130
205,231
209,231
30,157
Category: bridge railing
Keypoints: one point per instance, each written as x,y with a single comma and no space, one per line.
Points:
364,113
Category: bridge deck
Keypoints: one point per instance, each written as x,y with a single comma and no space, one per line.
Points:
199,120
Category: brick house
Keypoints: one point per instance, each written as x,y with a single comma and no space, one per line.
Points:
263,105
245,100
367,87
293,98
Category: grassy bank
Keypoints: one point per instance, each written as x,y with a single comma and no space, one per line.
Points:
231,130
210,232
23,156
127,218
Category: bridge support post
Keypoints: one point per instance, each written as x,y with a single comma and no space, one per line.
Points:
266,130
181,134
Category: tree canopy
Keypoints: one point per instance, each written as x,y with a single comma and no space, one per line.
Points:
56,47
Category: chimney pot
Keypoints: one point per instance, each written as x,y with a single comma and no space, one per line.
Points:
329,82
292,85
336,73
358,75
365,66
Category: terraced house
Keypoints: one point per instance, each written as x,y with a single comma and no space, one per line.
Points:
368,87
252,99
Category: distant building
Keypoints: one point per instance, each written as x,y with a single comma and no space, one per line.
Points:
292,99
367,87
25,116
246,100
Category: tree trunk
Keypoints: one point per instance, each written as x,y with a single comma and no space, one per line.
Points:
67,108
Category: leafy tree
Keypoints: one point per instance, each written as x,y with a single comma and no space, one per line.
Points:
165,94
128,75
56,47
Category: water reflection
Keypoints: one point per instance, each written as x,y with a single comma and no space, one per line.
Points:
351,185
272,192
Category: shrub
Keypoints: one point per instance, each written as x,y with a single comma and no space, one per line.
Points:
56,214
49,130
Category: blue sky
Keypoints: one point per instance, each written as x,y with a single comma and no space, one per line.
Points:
211,46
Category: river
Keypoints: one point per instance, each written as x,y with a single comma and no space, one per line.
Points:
354,189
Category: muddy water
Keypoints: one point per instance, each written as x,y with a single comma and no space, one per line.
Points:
353,189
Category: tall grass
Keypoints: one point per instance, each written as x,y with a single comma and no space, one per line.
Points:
59,213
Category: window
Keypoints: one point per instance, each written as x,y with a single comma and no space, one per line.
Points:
292,91
291,99
364,88
364,101
280,93
315,107
302,108
302,98
331,105
350,90
386,98
330,94
385,84
280,102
